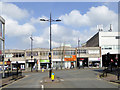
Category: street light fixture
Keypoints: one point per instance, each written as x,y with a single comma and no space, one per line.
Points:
50,20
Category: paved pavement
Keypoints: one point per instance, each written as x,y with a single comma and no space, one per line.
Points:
80,78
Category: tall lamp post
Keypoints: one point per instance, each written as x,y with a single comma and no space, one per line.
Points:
79,51
31,50
50,20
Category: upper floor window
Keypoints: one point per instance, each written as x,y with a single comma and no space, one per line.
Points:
82,51
117,37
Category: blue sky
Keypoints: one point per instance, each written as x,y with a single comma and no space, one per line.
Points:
79,20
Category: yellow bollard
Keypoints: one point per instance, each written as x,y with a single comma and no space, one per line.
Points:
52,76
42,70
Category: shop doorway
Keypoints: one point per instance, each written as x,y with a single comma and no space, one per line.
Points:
82,62
44,65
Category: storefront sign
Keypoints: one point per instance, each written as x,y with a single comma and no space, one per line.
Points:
70,58
82,59
44,61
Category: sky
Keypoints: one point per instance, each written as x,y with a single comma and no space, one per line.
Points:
78,20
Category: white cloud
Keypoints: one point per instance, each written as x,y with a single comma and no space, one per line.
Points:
60,34
13,28
13,11
101,15
12,14
95,15
75,18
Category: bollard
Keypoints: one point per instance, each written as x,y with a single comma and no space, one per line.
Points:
52,76
42,70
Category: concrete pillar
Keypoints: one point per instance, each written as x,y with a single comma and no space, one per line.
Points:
101,61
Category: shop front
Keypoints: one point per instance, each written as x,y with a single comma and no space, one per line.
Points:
57,63
21,65
70,61
94,62
44,64
82,62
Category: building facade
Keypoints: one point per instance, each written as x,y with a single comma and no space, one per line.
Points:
2,38
108,42
89,56
62,57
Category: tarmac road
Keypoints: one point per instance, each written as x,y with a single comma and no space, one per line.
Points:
76,78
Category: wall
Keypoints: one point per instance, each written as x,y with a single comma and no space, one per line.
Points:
108,42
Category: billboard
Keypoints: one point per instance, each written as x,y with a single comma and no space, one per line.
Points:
70,58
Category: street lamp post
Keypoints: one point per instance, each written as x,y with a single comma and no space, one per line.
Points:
50,20
31,50
79,51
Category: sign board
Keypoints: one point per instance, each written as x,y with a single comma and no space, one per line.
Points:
82,59
70,58
44,61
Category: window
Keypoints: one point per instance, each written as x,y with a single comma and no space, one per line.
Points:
117,37
93,52
57,52
28,54
112,47
45,53
83,51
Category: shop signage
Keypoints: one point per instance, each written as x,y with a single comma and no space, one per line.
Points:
44,61
70,58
